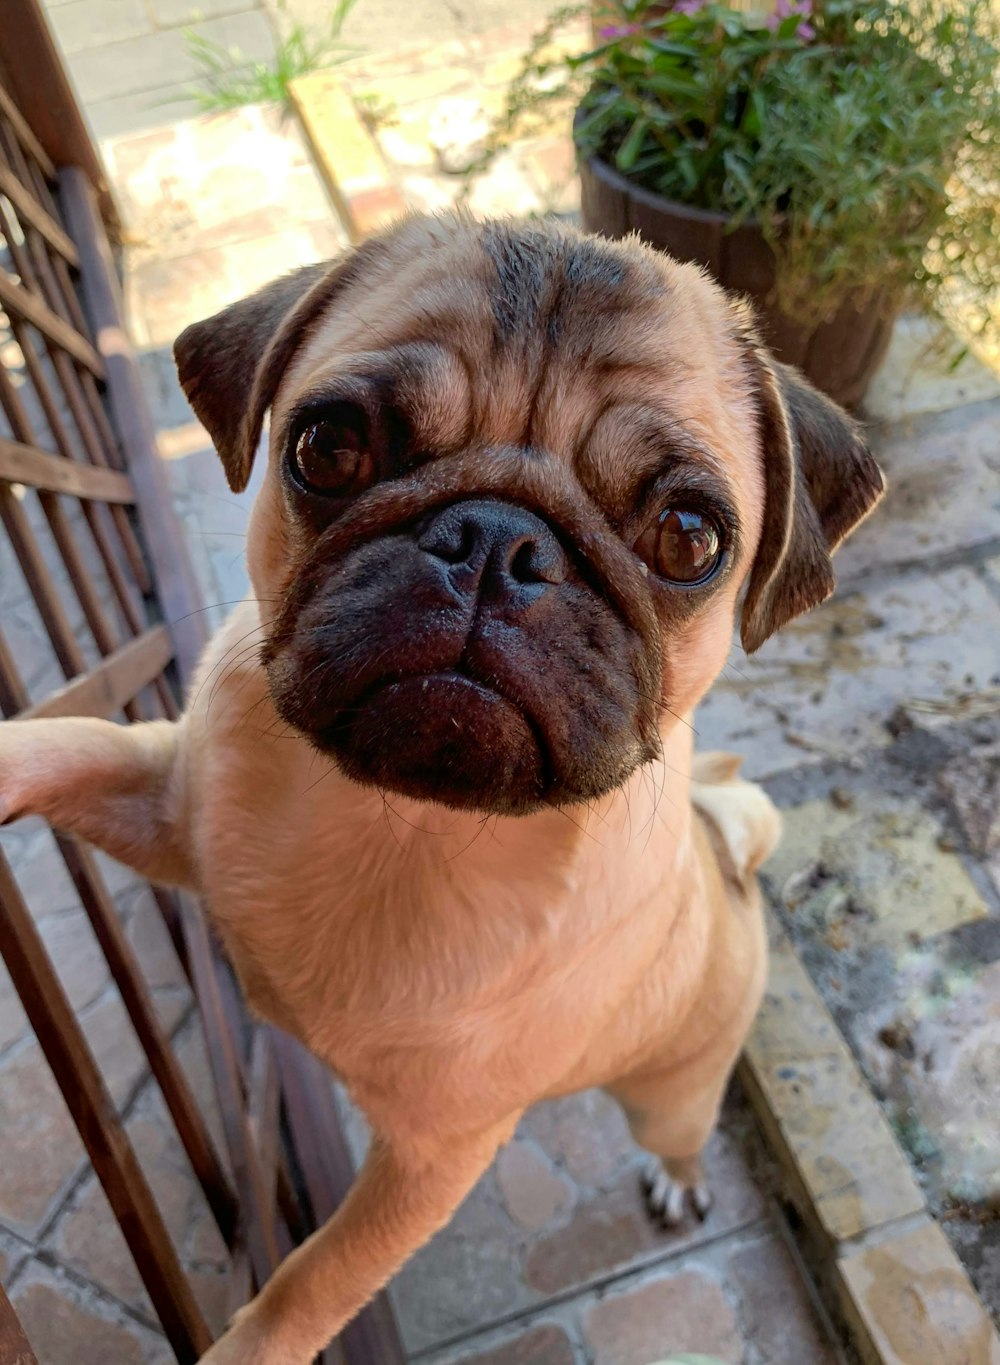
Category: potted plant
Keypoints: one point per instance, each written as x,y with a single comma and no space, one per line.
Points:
827,158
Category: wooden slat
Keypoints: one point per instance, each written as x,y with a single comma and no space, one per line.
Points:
264,1110
15,1349
29,307
80,576
28,209
40,581
24,135
38,469
79,1079
328,1171
111,683
176,583
258,1221
40,87
137,1000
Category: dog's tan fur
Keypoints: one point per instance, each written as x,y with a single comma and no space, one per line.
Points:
453,972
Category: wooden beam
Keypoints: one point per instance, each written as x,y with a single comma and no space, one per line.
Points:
169,1076
30,211
177,586
86,1095
30,308
24,135
26,464
251,1189
111,683
328,1172
38,83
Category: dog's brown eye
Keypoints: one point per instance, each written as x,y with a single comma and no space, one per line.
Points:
684,546
333,458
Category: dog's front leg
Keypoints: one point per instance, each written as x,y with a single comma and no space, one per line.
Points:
120,787
398,1201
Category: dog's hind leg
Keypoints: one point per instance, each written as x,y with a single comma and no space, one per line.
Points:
400,1198
117,786
673,1121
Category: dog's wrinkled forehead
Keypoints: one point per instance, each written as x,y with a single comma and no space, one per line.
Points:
503,335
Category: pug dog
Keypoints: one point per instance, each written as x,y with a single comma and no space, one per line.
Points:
435,781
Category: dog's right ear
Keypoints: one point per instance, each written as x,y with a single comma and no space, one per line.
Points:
230,365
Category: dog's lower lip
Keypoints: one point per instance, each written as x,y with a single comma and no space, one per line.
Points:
467,744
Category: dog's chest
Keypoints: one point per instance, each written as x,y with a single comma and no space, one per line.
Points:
403,966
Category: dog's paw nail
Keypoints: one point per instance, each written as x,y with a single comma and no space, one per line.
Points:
673,1207
650,1178
701,1201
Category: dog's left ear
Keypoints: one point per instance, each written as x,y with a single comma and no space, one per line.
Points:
231,364
820,481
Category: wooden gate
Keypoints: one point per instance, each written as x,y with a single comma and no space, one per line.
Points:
76,436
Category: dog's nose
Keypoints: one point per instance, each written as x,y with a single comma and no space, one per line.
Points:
495,548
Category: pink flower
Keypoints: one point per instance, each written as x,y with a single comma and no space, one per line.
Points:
619,30
784,9
689,7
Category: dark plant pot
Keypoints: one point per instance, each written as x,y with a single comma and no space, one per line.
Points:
839,355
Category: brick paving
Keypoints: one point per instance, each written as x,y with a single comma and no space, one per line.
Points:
873,722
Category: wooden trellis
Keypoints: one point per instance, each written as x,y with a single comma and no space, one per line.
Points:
75,434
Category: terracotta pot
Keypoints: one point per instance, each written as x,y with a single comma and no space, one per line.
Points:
839,355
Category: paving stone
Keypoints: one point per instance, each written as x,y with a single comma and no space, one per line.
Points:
115,1047
13,1020
612,1231
846,1171
169,13
69,1326
875,872
533,1192
827,684
406,141
87,1239
673,1313
943,472
467,1277
608,1232
912,1304
776,1313
152,945
41,872
157,60
546,1345
213,180
918,375
13,1254
941,1077
41,1149
585,1134
142,112
376,208
84,24
77,957
973,784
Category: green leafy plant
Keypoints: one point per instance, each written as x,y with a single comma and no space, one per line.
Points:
862,136
228,81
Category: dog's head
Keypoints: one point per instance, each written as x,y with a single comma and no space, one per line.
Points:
521,482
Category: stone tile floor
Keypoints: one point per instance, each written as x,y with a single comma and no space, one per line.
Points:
873,723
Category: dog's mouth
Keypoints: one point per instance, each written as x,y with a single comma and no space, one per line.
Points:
443,736
466,658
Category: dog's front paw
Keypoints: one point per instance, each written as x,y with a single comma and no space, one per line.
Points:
671,1187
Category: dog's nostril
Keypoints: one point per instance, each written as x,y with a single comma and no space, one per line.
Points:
456,545
533,563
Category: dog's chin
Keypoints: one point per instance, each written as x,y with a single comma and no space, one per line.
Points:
445,738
